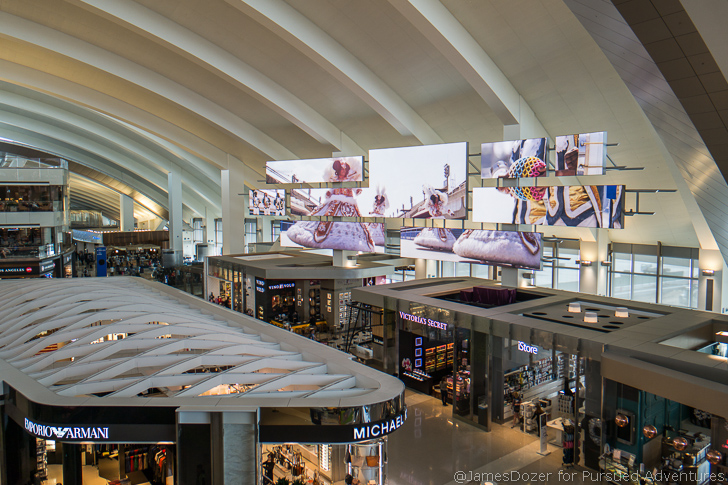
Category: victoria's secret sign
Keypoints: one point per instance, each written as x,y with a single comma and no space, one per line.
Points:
423,321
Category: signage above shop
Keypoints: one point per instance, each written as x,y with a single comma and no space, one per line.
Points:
259,285
380,428
85,433
34,268
281,286
524,347
423,321
328,434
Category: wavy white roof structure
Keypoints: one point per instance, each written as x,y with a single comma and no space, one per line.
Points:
125,339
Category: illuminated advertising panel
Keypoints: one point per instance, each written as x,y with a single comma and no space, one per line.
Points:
428,182
267,202
306,202
500,248
514,159
315,170
583,154
367,237
597,206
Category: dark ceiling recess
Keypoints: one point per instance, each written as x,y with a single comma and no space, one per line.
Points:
673,42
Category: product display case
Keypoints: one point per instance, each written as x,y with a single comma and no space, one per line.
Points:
41,458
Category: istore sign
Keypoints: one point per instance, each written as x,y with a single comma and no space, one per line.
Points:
524,347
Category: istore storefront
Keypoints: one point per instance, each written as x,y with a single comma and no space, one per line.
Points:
630,391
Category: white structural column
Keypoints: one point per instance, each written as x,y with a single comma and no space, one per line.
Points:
209,232
126,213
174,190
710,280
233,207
425,268
593,277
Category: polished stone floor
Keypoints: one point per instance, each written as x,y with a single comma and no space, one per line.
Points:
433,449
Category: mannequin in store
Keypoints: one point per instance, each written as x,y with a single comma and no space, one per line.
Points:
536,413
516,409
443,390
268,467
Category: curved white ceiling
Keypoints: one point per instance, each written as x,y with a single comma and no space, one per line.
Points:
122,339
136,87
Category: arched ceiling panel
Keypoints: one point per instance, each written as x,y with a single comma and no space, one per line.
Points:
367,70
71,47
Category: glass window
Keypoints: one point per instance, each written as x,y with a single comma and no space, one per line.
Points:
448,269
218,238
572,254
676,267
544,277
197,230
622,262
675,291
644,288
462,269
567,279
622,286
694,293
251,236
481,271
645,264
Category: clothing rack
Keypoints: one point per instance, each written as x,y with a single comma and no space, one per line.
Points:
569,443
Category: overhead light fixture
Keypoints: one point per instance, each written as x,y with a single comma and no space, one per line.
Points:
575,307
649,431
708,272
590,317
621,312
680,443
714,457
621,420
584,262
722,333
606,263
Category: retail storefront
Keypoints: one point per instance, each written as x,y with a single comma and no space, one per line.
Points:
183,396
645,385
269,286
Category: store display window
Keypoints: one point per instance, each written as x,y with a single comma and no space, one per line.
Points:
650,439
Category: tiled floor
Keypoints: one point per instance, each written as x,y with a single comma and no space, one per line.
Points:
90,475
433,449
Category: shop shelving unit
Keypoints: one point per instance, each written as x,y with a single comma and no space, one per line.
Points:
41,458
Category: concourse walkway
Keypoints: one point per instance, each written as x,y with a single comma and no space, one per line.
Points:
431,447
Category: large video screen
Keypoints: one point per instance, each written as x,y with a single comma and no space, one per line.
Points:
305,202
315,170
367,237
598,206
267,202
514,159
499,248
583,154
422,182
